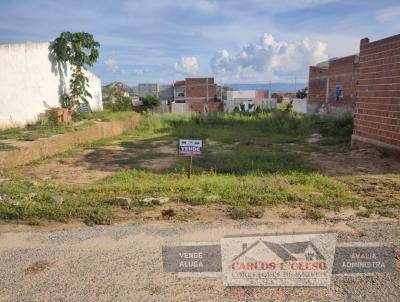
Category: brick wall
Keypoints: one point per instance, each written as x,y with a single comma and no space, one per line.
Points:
323,81
196,91
377,112
200,105
200,88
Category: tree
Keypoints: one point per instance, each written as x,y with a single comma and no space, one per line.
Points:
80,50
122,103
150,101
302,93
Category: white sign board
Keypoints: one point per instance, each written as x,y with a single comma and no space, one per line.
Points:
190,147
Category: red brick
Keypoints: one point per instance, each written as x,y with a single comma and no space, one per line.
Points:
377,114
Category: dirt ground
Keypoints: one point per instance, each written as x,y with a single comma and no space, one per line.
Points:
353,162
81,167
90,165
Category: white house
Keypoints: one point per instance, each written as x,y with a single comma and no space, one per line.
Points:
31,81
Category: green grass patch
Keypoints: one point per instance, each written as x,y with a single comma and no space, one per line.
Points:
6,147
43,129
36,131
242,192
241,167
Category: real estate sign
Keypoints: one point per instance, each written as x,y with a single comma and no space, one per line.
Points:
190,147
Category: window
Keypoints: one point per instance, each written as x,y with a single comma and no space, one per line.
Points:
338,93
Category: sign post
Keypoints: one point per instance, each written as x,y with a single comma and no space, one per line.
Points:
190,148
189,168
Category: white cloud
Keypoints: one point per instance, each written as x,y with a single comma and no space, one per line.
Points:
269,59
187,65
112,65
388,14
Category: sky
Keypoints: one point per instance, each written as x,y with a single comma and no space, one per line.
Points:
235,41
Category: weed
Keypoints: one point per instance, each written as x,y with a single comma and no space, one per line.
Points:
365,214
314,214
386,213
244,212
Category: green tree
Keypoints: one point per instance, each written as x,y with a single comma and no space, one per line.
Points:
302,93
150,101
122,103
80,50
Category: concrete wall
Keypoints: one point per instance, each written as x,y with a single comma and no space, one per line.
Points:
44,147
247,94
264,104
377,112
180,108
300,105
166,92
240,94
148,89
30,79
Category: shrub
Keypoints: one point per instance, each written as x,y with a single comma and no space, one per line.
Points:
52,116
150,101
122,103
245,212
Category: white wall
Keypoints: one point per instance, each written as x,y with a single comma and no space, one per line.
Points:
264,104
240,94
30,78
300,105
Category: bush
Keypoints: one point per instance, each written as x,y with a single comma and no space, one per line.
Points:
123,103
150,101
52,116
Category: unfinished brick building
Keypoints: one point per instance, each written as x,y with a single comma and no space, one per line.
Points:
200,93
332,86
377,111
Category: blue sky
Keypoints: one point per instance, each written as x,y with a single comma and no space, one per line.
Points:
236,41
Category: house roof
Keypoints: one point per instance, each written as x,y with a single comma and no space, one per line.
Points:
284,250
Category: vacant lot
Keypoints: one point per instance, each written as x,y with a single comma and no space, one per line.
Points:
253,166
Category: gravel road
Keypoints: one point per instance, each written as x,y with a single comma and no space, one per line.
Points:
123,262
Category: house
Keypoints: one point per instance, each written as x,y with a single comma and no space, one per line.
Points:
33,81
332,86
199,94
163,91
